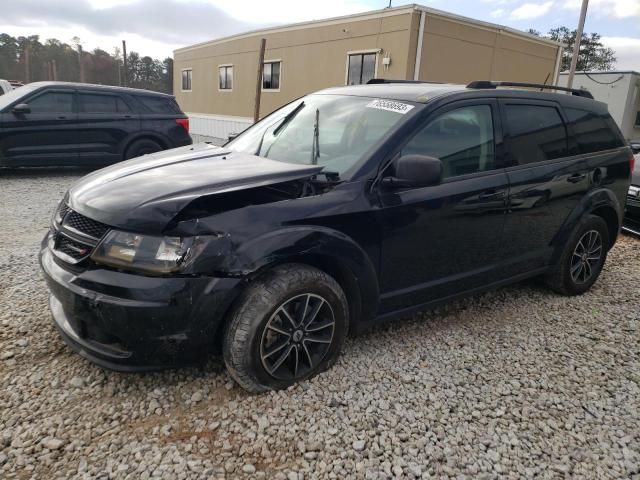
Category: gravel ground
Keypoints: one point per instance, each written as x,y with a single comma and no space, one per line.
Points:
515,383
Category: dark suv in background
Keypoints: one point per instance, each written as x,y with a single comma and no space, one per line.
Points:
344,208
58,123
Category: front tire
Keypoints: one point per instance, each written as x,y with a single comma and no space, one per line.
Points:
582,259
289,325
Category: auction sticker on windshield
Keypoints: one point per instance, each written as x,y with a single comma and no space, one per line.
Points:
390,106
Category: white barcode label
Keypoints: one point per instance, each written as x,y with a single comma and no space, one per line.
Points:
390,106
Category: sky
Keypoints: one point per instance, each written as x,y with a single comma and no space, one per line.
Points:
157,27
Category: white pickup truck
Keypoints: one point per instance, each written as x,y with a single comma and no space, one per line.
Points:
5,87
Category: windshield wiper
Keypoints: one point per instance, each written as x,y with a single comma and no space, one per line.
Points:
287,118
315,146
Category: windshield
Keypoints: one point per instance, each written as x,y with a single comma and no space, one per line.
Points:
10,97
332,131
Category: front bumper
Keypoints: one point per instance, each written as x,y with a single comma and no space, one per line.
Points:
128,322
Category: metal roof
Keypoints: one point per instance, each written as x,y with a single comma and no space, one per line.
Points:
374,14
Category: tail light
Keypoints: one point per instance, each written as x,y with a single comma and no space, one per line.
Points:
632,162
184,123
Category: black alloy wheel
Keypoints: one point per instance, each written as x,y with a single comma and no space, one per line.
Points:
288,325
297,337
586,257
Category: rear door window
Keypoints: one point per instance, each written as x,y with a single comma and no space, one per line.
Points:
99,103
461,138
52,102
535,133
593,132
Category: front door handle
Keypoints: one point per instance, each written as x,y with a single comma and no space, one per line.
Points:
576,177
492,195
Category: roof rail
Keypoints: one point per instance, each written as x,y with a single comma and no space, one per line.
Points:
376,81
487,84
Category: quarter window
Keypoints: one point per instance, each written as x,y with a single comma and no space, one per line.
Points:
52,102
361,69
462,139
593,132
186,80
536,133
271,76
225,77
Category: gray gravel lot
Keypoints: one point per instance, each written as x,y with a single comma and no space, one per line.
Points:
516,383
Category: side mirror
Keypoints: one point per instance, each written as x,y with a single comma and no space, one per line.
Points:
21,108
635,147
415,171
232,136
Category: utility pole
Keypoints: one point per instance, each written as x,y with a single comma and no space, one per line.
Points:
54,71
576,44
81,64
256,110
27,64
125,74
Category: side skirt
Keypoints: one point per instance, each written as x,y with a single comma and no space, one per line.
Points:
362,327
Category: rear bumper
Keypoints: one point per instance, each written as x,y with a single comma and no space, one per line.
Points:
129,322
631,221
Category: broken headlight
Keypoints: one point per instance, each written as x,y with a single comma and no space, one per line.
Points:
146,253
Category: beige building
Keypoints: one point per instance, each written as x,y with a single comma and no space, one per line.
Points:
215,81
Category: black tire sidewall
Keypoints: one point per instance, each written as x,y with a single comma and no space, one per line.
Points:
307,280
591,222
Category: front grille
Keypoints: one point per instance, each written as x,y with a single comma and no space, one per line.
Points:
84,225
74,236
71,248
63,209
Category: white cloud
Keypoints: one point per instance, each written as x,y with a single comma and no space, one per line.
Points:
610,8
531,10
627,52
498,13
289,11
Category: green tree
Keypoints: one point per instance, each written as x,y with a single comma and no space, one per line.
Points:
593,54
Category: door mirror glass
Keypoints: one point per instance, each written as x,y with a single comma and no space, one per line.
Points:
414,171
21,108
635,147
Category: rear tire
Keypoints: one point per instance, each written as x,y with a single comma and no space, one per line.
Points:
267,348
141,147
582,258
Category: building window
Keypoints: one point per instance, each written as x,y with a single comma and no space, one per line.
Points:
361,68
186,80
271,76
637,119
225,77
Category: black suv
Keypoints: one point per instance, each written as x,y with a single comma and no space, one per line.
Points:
59,124
344,208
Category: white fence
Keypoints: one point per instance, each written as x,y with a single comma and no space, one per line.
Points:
215,128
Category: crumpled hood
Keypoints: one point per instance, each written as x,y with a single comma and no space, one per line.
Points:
145,193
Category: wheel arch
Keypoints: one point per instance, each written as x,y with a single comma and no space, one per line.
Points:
325,249
145,136
602,203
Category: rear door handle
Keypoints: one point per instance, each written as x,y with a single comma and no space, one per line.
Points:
576,177
492,195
